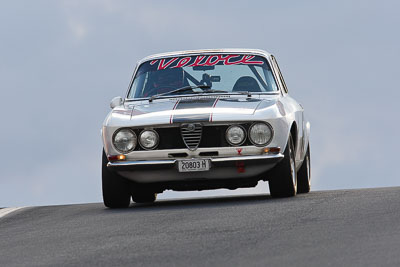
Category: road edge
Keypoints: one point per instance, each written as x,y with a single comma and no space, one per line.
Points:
6,211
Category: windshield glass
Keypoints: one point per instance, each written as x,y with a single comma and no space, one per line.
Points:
224,72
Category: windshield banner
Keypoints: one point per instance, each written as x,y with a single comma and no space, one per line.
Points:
205,60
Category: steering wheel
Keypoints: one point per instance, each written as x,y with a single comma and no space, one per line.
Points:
206,79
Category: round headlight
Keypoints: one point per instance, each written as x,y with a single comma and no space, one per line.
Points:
235,135
260,133
125,140
148,139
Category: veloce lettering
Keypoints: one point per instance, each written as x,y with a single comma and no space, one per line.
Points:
210,60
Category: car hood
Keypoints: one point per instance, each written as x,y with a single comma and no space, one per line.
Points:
195,109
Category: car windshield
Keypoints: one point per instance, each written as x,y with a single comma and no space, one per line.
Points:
213,73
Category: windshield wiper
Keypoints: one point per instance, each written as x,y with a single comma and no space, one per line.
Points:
214,91
248,93
182,89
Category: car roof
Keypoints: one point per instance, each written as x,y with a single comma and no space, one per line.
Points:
206,51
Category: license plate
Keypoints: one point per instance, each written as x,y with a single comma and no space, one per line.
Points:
194,165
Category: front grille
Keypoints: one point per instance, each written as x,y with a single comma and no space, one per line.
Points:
202,137
214,136
191,134
170,138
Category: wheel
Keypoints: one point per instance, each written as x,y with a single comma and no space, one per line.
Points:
283,180
141,195
115,188
304,174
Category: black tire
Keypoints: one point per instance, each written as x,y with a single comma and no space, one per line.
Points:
283,180
304,174
115,188
143,195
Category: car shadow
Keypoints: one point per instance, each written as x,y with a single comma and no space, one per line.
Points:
219,200
203,202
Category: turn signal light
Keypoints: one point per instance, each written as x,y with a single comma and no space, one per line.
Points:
273,150
116,157
121,157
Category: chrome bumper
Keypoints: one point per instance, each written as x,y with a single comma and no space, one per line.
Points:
146,171
125,165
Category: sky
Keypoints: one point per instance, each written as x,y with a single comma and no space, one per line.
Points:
61,62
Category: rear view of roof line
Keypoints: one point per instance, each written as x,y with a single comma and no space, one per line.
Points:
200,51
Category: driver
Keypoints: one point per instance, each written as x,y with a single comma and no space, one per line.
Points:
166,80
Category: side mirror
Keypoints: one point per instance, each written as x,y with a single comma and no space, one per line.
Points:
116,101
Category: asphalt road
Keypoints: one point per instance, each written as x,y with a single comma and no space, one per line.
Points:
326,228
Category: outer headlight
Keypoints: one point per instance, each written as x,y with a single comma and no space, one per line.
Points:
235,135
260,133
125,140
148,139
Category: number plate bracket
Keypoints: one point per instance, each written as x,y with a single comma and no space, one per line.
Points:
193,165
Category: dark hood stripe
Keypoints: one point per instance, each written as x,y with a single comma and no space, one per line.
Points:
194,103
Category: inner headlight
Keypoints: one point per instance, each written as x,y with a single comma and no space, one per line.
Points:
125,140
260,133
148,139
235,135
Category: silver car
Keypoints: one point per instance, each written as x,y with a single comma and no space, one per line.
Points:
204,119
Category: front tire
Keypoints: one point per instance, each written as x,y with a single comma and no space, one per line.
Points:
304,174
115,188
283,181
141,194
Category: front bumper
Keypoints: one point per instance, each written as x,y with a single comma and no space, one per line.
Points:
166,170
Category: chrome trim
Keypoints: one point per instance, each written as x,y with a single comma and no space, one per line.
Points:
257,157
191,137
172,161
142,162
224,152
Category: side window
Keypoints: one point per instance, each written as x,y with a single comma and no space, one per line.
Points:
281,80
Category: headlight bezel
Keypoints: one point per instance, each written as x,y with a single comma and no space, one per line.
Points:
244,137
270,128
155,145
134,143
